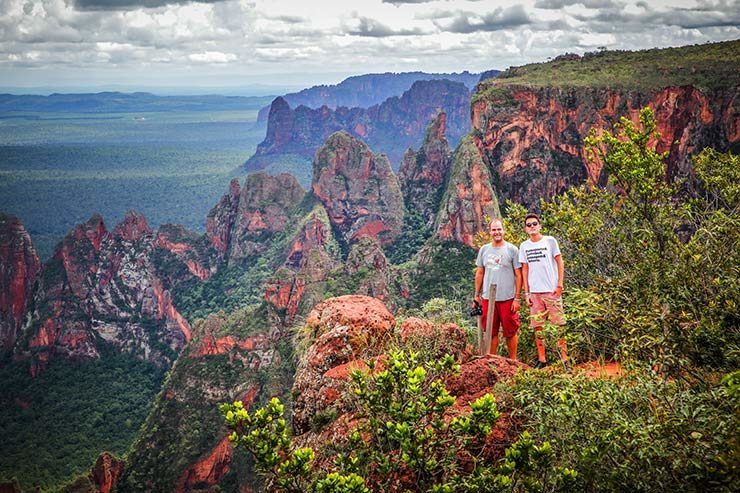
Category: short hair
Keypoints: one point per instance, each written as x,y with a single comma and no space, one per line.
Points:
496,220
532,215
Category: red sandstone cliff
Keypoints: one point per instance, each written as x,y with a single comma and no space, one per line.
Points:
358,189
19,271
422,174
469,199
532,138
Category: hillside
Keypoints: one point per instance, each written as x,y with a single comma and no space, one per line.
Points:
530,122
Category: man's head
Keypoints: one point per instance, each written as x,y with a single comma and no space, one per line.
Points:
497,230
532,224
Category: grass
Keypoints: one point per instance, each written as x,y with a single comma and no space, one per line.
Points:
708,67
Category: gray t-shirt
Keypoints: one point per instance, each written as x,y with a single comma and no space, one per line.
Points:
499,264
542,269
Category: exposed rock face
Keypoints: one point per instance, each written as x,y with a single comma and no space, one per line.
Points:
422,174
469,198
358,189
351,331
532,138
344,328
221,218
106,472
19,271
189,248
264,209
391,127
105,285
309,259
367,260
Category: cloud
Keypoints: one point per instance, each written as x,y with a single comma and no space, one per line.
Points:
132,4
589,4
373,29
468,22
610,20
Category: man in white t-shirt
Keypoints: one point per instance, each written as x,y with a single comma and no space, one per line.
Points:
542,275
498,263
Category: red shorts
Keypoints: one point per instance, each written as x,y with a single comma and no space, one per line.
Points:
502,316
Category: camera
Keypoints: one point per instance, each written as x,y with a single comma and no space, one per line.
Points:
476,310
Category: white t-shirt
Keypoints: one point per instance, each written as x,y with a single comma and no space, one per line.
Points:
540,259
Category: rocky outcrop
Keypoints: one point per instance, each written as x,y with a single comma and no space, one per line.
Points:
390,127
358,189
532,137
469,200
189,249
352,333
106,472
344,329
366,262
422,174
221,218
265,206
310,256
19,271
106,286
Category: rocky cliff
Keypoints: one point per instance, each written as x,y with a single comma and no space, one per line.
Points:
422,174
530,122
358,189
19,271
366,90
265,206
469,200
103,285
390,127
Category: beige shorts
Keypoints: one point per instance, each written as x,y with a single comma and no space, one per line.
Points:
546,306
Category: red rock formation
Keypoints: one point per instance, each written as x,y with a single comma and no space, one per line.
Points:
106,472
133,227
390,127
265,205
469,201
210,469
345,329
533,137
20,268
209,345
220,220
184,246
358,189
78,255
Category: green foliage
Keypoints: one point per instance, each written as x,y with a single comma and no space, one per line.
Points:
708,66
637,433
404,440
54,426
414,233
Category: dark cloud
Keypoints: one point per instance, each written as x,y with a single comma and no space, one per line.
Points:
288,19
495,21
590,4
373,29
131,4
611,20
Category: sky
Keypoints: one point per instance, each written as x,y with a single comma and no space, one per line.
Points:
287,43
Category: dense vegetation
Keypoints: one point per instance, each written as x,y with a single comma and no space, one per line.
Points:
55,425
707,67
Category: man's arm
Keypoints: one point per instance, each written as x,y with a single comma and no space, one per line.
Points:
479,273
517,289
561,272
525,283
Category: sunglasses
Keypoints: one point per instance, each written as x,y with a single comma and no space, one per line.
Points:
529,225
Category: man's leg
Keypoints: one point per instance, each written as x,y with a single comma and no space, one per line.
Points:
537,313
556,316
510,324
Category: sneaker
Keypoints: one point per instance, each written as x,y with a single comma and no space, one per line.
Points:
538,365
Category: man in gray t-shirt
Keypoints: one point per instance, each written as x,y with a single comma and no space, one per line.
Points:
498,264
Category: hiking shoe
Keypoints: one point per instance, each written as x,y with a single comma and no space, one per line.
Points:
538,365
